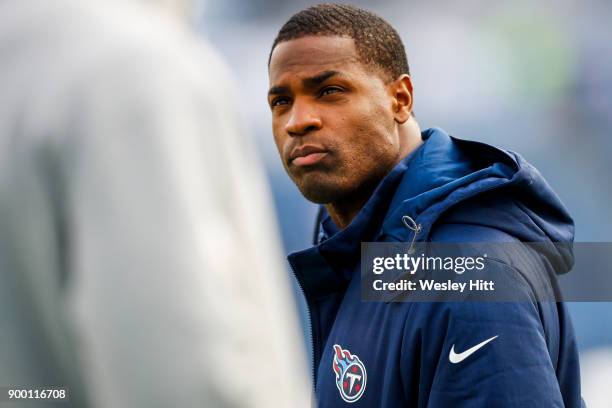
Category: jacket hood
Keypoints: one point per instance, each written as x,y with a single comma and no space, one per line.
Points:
465,182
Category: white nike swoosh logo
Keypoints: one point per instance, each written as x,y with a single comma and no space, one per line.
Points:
457,358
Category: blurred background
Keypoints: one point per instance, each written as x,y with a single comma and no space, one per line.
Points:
533,77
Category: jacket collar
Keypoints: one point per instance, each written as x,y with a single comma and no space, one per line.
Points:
432,178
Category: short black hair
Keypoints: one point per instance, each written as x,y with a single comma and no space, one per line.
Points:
377,42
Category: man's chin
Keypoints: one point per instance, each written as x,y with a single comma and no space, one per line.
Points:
319,192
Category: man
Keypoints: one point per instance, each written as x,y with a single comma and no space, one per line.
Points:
342,116
138,267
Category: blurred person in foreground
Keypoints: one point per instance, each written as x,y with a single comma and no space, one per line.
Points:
342,116
138,256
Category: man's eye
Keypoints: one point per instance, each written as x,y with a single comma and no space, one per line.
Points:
279,102
330,90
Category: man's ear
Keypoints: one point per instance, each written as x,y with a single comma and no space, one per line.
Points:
401,92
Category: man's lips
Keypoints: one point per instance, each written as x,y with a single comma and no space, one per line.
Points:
309,159
307,155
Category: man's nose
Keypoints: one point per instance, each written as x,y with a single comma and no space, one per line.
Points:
303,119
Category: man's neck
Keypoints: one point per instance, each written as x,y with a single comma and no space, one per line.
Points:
344,211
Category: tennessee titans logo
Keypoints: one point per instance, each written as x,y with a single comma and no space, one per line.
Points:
350,374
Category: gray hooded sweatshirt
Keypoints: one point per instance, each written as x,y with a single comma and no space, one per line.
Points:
139,260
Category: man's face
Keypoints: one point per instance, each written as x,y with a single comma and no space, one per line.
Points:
332,118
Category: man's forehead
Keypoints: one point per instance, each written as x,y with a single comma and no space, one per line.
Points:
312,54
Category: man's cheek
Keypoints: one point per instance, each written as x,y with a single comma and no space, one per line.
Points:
279,141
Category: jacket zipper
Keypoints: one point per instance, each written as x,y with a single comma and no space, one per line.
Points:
308,332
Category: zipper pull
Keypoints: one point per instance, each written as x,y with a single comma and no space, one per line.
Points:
413,226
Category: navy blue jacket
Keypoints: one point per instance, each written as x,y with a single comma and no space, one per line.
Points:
377,354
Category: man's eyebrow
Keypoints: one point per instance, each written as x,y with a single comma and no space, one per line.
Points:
278,90
318,79
311,82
